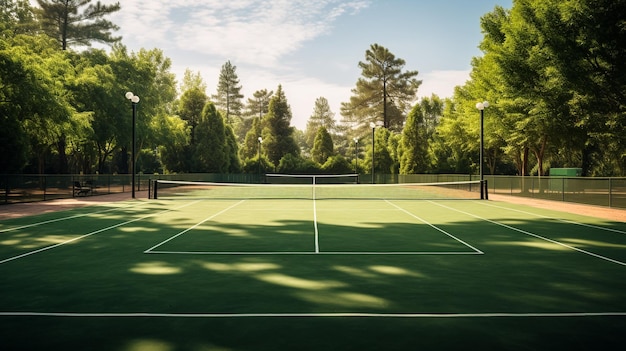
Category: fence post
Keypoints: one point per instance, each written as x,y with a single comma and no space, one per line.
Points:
610,192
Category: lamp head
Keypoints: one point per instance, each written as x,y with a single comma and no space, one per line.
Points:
482,105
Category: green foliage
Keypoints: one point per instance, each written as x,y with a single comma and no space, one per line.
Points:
16,17
337,164
383,161
190,108
277,132
294,164
210,152
414,143
322,117
257,166
232,151
323,146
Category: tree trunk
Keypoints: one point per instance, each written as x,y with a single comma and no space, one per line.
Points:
540,153
63,162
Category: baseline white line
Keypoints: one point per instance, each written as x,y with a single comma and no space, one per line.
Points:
535,235
89,234
66,218
557,219
434,227
193,227
310,253
315,315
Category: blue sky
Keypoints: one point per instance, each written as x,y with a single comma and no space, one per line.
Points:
311,47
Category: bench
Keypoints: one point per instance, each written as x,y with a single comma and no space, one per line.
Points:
80,189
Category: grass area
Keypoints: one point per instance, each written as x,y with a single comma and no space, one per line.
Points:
311,275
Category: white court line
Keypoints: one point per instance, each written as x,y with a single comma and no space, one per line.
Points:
310,253
317,234
434,227
193,227
89,234
314,315
557,219
534,235
66,218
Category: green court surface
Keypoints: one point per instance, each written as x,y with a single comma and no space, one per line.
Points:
294,274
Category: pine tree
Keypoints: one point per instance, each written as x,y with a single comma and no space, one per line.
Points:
384,93
277,133
322,117
228,97
69,22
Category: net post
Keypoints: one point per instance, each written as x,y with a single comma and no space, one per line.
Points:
149,188
155,186
484,190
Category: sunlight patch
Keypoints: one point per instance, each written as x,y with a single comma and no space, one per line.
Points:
593,243
156,268
299,283
534,244
391,270
137,229
354,271
240,267
227,231
345,299
149,345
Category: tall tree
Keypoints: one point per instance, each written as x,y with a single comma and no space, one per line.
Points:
322,117
190,108
414,158
78,21
277,132
384,92
250,147
323,146
192,101
192,80
228,97
259,104
210,153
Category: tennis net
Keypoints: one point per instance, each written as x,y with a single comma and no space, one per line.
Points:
168,189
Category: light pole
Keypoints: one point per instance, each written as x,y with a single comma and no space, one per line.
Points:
374,126
134,99
260,139
356,155
482,106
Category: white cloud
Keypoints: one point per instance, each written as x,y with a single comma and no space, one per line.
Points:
442,83
246,31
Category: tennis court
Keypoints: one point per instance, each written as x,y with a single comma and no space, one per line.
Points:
310,268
